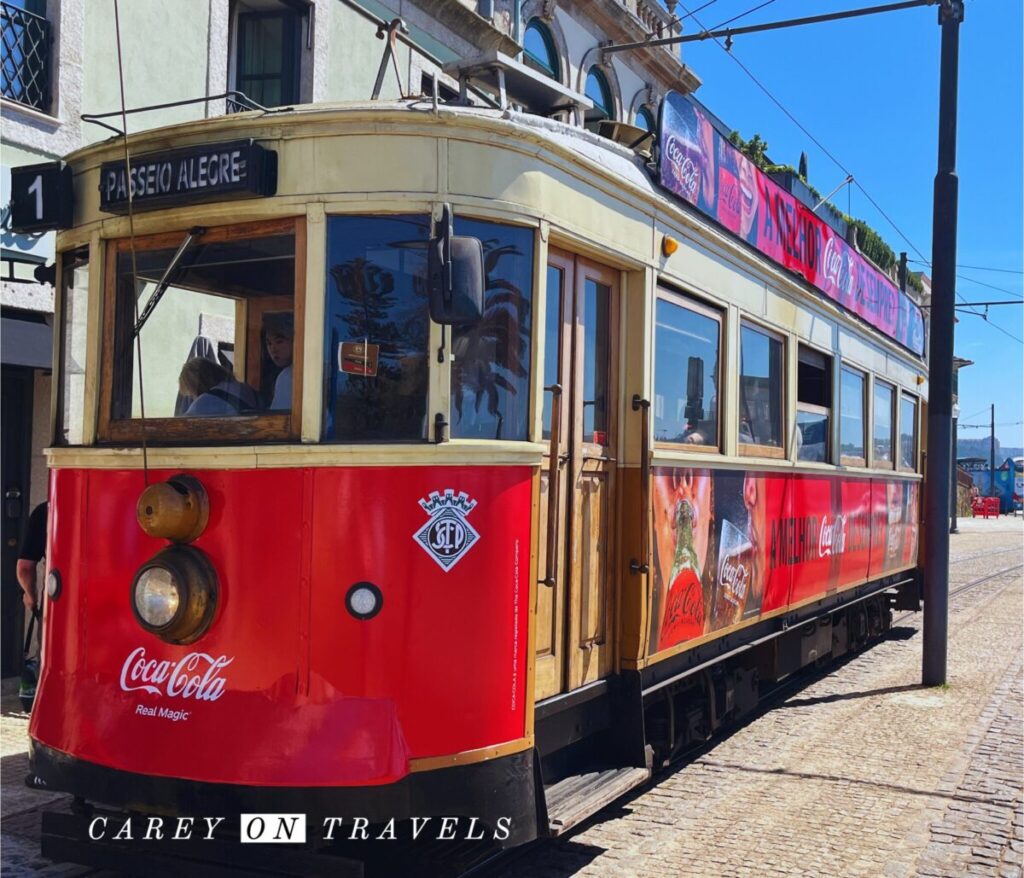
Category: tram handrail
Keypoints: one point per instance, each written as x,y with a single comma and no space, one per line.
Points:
554,465
644,406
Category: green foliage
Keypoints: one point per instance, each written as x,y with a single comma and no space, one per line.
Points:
754,149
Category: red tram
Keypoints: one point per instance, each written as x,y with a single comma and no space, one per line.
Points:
560,467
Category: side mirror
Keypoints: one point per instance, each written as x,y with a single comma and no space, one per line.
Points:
455,276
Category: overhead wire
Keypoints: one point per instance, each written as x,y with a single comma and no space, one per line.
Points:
742,14
973,267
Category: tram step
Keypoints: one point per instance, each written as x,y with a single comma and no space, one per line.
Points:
577,797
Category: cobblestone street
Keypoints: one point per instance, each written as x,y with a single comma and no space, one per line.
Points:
862,773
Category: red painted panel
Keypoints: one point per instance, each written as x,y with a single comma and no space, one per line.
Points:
851,537
282,691
813,524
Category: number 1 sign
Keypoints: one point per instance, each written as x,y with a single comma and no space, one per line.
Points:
41,197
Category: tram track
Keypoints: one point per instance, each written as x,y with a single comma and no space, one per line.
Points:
974,583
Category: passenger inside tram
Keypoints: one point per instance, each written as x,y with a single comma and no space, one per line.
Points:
214,390
279,330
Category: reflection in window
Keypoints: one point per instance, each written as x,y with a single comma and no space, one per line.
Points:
377,328
600,93
761,380
552,340
214,304
851,414
882,430
491,360
596,360
74,307
813,404
908,432
539,49
685,375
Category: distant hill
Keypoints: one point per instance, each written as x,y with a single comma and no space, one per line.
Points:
980,448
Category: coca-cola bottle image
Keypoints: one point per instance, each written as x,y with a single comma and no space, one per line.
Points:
729,209
684,602
735,567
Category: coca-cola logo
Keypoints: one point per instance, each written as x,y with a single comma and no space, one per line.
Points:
734,577
832,537
196,675
686,170
834,267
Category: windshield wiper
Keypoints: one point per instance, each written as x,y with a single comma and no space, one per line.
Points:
165,281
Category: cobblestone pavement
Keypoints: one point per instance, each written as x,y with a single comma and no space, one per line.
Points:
862,773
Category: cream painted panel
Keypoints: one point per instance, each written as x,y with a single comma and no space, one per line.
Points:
703,271
905,375
814,328
488,171
358,163
780,310
858,351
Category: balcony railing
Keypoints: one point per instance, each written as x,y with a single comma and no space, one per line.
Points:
25,65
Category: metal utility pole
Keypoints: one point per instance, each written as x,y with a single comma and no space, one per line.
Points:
902,272
992,456
940,358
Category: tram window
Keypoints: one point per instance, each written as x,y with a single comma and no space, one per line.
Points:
377,329
908,432
813,404
686,344
761,391
204,339
490,385
883,424
851,417
74,307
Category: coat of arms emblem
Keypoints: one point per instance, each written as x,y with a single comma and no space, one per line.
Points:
447,536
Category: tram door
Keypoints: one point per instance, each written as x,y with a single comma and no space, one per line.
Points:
575,608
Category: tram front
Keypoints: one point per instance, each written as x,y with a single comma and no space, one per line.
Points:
290,523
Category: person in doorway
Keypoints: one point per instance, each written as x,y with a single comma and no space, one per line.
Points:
214,390
31,552
280,336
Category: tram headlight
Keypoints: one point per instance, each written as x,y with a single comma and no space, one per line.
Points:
174,594
53,585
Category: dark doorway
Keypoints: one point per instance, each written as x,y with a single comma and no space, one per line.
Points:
15,450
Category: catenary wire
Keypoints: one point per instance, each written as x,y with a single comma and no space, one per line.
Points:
742,14
973,267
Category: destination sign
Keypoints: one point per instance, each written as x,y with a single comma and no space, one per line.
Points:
699,165
212,172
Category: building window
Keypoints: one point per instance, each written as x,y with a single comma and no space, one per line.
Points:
851,417
813,404
908,433
762,395
687,340
539,49
598,90
27,57
645,119
268,53
885,395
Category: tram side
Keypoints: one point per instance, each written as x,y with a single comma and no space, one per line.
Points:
493,571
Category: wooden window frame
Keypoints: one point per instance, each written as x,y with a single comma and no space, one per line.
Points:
685,300
753,449
917,432
885,464
813,409
849,459
240,429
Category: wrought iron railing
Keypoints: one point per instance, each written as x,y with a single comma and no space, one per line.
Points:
25,65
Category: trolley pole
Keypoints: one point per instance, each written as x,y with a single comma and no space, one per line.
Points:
940,358
992,456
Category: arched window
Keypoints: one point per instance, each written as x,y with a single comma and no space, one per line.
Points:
645,119
598,91
539,49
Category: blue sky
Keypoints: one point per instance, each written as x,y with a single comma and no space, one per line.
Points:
867,89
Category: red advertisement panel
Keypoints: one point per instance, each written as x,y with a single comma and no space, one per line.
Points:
699,165
730,546
289,687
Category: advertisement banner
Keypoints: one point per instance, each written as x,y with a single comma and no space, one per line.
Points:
730,546
701,166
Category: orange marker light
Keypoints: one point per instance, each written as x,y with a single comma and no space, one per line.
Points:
669,245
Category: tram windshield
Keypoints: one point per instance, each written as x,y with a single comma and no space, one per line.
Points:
205,333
